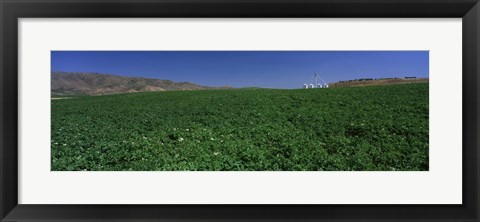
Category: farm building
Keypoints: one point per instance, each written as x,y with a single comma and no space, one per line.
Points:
316,82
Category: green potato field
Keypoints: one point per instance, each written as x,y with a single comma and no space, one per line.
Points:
375,128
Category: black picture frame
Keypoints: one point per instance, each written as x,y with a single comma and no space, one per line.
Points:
12,10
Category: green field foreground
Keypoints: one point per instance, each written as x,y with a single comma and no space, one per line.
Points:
381,128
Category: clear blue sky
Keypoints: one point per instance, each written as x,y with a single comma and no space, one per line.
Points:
270,69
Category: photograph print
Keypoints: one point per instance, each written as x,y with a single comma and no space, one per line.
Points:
239,110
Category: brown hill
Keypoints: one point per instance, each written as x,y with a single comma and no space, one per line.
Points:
75,83
377,82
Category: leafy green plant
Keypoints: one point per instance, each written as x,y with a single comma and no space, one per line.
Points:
365,128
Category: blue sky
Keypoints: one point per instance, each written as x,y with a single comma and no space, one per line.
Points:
269,69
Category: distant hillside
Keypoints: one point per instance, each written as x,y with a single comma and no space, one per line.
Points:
75,83
377,82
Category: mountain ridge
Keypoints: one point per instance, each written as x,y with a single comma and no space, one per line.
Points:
90,83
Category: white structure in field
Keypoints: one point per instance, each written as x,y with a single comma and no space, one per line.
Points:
316,82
